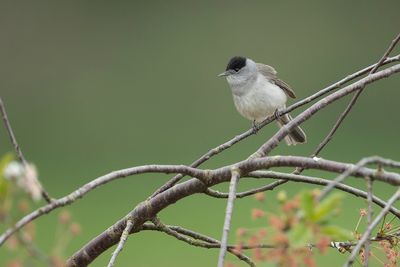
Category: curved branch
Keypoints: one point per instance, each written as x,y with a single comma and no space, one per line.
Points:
17,148
320,181
194,239
148,209
284,177
204,179
271,186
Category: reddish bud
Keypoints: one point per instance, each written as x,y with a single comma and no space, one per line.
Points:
238,249
12,243
323,244
64,217
363,212
262,233
276,222
309,261
257,213
75,229
388,226
281,239
260,196
23,206
241,232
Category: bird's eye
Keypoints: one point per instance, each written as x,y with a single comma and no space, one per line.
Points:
237,69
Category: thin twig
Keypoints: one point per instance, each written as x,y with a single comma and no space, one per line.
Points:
304,179
214,151
200,240
210,242
349,171
123,238
17,148
343,115
354,100
386,54
228,216
33,251
10,132
367,233
194,239
271,186
369,218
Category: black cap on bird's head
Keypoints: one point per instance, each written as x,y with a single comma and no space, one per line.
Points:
235,64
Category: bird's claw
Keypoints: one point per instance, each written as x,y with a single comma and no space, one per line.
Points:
277,113
256,127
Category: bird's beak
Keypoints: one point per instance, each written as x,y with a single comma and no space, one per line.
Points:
225,73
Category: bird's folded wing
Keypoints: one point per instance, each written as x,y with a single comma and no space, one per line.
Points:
270,73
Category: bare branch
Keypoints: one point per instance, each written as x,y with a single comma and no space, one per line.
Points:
124,237
206,242
386,54
17,148
369,217
213,243
228,215
367,233
303,179
33,251
210,177
361,163
271,186
148,209
354,99
10,132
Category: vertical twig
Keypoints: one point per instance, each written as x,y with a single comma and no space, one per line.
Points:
369,218
122,240
371,226
228,216
17,148
10,132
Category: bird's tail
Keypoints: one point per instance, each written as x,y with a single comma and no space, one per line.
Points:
296,135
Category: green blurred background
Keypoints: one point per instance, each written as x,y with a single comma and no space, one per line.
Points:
95,86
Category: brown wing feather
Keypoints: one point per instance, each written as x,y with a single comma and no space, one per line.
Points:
285,87
270,73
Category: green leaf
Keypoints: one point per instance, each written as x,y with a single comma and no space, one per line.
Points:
327,206
337,233
307,205
300,235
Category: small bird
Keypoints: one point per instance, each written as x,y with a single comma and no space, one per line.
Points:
258,94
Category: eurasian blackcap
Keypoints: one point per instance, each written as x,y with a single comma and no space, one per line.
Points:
258,94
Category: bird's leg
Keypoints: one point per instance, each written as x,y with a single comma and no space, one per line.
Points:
256,127
277,113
